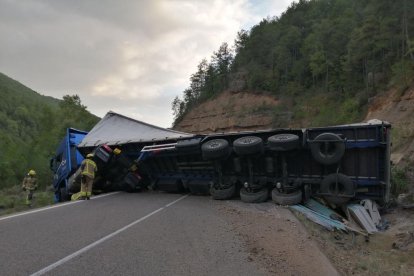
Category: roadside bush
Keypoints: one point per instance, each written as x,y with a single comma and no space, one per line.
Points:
399,181
13,199
43,198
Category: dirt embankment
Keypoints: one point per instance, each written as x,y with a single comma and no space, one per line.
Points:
397,107
230,111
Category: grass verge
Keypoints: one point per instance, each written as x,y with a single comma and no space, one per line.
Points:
13,200
352,255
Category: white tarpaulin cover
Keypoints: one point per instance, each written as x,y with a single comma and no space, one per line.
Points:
115,129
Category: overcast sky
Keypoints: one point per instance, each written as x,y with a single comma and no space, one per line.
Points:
131,57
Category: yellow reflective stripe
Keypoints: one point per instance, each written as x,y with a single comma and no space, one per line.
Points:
76,196
90,168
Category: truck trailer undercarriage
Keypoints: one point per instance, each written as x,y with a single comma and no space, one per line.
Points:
338,163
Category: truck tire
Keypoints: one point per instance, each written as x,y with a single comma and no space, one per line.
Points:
283,142
215,149
222,194
248,145
188,145
255,197
327,148
286,199
345,188
199,187
170,185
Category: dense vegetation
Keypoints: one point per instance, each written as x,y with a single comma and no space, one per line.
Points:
324,58
31,126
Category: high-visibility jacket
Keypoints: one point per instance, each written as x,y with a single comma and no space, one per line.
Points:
89,168
29,182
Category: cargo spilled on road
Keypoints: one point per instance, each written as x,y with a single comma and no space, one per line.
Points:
338,163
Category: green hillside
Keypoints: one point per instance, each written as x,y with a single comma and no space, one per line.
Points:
31,126
323,59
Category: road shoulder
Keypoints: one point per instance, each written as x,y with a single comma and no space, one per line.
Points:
275,239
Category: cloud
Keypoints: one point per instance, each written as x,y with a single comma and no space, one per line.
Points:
132,57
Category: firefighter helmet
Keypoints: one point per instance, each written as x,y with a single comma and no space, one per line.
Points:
32,172
90,155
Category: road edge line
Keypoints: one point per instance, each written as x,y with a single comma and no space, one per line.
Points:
107,237
52,207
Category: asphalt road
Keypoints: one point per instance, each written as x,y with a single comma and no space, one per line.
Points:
124,234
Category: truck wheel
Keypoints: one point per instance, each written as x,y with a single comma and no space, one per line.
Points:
188,145
327,148
215,149
248,145
345,188
198,186
286,199
221,194
254,197
283,142
64,196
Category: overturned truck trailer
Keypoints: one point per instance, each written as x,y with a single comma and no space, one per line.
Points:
338,163
116,142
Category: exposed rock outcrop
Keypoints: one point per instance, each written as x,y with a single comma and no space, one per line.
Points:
231,111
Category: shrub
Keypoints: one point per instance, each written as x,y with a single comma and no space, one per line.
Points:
399,181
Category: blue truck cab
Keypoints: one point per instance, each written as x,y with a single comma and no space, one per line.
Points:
65,162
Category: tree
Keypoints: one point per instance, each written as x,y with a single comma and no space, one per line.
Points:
198,79
71,101
240,41
178,108
221,61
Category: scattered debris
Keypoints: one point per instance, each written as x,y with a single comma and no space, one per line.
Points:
321,219
383,225
329,219
408,206
361,216
324,210
372,208
404,239
405,199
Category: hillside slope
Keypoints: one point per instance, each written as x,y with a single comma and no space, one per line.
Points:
329,54
320,63
31,126
239,111
397,107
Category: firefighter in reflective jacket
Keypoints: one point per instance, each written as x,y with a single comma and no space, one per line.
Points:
29,185
88,168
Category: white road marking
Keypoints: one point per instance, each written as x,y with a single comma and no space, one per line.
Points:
53,206
92,245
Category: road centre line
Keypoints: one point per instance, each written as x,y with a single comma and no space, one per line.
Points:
53,206
92,245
